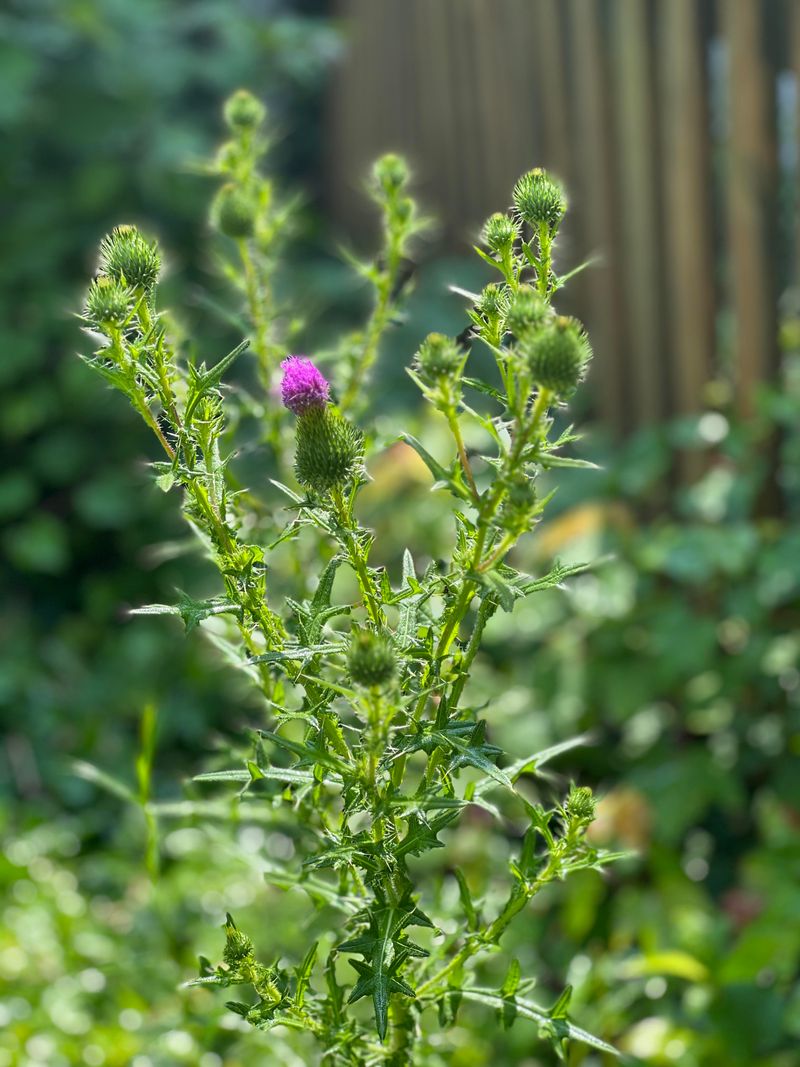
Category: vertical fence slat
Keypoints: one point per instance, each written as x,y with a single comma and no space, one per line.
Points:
688,217
550,73
795,62
438,155
641,253
753,169
595,192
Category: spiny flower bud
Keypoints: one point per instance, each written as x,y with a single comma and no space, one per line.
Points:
500,232
238,946
329,449
492,301
128,257
527,312
108,302
558,356
520,506
370,659
580,805
390,173
234,211
303,386
243,111
540,199
438,357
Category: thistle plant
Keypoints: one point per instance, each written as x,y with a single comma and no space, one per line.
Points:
370,740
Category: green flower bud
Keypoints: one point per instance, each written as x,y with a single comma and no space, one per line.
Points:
228,158
404,208
492,301
580,805
558,356
108,302
329,449
500,232
370,659
129,258
390,173
438,357
234,211
540,199
238,946
243,111
528,311
520,506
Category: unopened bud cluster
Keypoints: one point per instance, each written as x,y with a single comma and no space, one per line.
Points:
528,311
234,211
520,506
389,182
108,302
130,259
540,200
370,659
437,367
243,111
580,806
438,357
500,232
238,946
239,204
558,356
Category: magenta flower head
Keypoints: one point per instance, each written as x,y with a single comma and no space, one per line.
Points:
303,387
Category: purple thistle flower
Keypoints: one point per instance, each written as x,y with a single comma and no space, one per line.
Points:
303,387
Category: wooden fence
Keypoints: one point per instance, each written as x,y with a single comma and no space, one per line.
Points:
674,124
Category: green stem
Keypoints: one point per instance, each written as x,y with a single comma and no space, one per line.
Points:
255,307
344,518
378,321
455,429
545,259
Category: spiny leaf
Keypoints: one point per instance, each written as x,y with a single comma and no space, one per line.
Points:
560,1027
474,752
531,764
380,984
421,834
191,611
288,775
512,979
442,477
385,949
309,754
204,380
93,774
561,1007
322,594
470,911
554,577
483,387
303,974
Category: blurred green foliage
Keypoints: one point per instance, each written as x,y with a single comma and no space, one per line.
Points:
680,655
102,104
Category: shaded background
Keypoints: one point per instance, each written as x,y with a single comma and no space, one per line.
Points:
675,125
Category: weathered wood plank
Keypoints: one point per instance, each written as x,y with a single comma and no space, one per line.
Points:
641,252
595,192
550,72
687,182
752,199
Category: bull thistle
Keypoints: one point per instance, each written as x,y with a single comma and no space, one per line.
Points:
385,750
